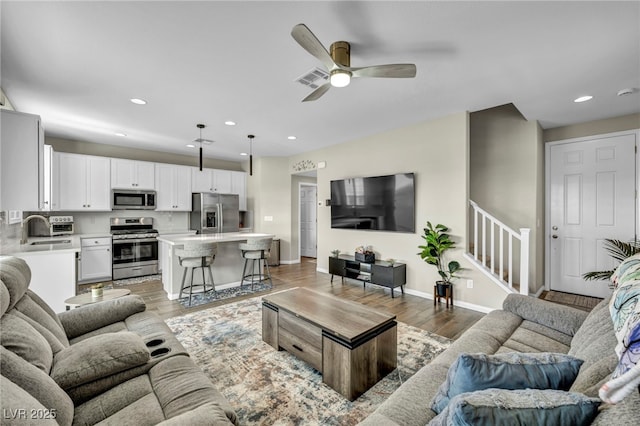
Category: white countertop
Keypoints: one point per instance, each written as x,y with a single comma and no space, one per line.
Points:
14,248
220,238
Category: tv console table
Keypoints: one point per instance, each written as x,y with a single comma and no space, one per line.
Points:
380,272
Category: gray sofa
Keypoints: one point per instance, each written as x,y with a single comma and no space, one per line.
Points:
525,324
110,363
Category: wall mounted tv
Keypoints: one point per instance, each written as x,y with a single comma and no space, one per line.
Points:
380,203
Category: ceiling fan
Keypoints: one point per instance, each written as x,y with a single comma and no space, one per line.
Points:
338,63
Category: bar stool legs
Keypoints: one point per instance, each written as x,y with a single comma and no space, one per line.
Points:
191,284
256,251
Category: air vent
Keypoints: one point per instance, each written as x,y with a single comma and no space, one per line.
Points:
314,78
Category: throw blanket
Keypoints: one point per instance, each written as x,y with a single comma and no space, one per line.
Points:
625,313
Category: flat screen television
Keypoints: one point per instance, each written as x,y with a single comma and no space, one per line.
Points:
380,203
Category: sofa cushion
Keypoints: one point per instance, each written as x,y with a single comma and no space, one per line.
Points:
16,275
558,317
21,338
472,372
18,406
4,298
497,407
38,384
98,357
34,307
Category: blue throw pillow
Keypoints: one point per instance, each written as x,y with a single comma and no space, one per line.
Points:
513,370
501,407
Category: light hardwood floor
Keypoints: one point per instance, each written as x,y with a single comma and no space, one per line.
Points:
412,310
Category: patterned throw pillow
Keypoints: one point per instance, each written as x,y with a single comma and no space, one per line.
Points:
501,407
513,370
624,308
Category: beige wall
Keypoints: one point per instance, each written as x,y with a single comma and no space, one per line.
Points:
597,127
103,150
507,176
437,152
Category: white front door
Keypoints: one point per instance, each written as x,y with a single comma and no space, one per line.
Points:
592,186
308,219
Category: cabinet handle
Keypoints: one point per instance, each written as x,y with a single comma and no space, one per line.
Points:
297,347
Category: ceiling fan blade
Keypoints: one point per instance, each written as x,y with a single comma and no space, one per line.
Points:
318,92
311,44
385,71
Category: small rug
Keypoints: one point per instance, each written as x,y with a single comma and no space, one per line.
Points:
137,280
226,293
269,387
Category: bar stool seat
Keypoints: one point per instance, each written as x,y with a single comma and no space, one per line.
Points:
196,255
256,250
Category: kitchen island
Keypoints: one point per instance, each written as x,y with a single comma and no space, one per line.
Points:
226,268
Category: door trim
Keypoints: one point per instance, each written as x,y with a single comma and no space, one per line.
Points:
547,190
300,185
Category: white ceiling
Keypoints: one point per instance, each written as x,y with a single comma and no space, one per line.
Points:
77,64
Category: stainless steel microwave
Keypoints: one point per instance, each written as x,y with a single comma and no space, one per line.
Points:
124,199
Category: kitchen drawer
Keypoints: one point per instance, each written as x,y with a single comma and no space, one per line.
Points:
300,348
100,241
300,328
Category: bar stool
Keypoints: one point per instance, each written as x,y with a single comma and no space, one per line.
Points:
256,250
196,255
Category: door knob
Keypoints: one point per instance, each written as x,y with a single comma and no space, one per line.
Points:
554,236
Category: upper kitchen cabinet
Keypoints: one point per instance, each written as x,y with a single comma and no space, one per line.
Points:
211,180
84,182
22,161
239,186
131,174
51,179
173,187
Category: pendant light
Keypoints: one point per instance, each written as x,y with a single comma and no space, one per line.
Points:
200,126
250,154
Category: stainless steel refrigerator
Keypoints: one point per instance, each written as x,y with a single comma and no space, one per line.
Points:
213,213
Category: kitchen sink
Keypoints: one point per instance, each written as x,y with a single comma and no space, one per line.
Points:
47,242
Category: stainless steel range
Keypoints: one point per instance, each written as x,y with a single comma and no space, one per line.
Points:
135,247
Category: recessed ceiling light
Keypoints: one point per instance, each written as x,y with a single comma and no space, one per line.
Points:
138,101
230,123
243,153
292,138
190,145
122,135
583,99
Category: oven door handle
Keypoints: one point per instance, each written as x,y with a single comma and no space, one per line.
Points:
134,240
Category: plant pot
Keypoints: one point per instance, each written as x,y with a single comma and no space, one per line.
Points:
97,292
441,288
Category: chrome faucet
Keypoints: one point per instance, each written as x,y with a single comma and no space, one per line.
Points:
23,226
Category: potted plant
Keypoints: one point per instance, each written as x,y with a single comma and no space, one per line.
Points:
97,290
438,241
619,250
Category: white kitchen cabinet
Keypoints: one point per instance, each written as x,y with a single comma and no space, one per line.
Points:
84,182
211,180
239,186
95,260
21,162
173,187
51,179
131,174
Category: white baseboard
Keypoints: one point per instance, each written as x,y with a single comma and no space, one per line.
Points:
466,305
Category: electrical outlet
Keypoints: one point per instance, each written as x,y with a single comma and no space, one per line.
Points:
469,283
268,218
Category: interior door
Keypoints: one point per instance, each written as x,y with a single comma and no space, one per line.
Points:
308,221
592,187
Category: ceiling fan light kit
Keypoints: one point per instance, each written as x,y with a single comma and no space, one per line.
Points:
338,63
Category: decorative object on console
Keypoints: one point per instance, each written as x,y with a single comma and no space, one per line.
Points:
438,241
335,253
365,254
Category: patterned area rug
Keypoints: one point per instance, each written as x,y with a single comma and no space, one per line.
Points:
269,387
227,293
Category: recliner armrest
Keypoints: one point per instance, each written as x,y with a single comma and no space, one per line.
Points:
85,319
562,318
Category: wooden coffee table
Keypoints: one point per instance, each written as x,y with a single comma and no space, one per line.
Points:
352,345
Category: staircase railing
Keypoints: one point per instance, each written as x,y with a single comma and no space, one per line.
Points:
500,251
